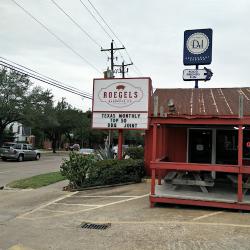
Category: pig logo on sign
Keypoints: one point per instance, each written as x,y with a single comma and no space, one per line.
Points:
120,87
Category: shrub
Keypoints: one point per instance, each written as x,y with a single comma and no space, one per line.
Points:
135,152
115,171
75,169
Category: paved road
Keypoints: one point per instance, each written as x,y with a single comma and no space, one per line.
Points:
12,170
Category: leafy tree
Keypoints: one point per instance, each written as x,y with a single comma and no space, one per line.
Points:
85,135
18,102
56,121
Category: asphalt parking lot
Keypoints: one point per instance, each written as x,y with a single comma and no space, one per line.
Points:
56,223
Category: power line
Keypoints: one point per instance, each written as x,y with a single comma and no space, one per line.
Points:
41,79
76,23
102,27
111,30
42,75
86,7
99,14
56,36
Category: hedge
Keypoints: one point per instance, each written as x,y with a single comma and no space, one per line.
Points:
135,152
85,171
115,171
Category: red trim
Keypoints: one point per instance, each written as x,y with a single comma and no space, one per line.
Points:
201,121
121,112
202,203
169,116
245,170
194,166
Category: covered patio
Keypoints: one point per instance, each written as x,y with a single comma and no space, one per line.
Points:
198,147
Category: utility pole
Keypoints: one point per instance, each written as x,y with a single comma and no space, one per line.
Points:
112,52
122,69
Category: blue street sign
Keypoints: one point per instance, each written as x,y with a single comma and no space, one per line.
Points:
197,47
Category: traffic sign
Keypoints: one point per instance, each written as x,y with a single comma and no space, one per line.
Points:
197,47
197,74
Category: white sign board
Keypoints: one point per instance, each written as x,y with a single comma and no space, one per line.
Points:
121,103
197,74
120,120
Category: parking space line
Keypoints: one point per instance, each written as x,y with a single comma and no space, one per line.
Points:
107,196
47,204
207,215
85,210
50,210
75,204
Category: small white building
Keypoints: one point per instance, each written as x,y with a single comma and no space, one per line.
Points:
21,132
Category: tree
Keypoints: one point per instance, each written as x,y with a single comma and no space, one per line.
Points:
16,98
85,135
56,121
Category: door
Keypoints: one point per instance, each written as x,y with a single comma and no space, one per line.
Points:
200,146
32,153
227,147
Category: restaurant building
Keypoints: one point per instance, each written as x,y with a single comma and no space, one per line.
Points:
197,148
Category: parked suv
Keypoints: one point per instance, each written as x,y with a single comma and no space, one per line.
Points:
20,152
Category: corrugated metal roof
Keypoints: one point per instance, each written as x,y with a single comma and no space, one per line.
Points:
204,101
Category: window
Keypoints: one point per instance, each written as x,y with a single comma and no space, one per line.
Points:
24,147
30,147
17,146
246,144
226,147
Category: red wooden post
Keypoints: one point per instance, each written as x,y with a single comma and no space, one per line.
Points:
159,137
153,182
120,139
240,193
154,145
240,155
153,158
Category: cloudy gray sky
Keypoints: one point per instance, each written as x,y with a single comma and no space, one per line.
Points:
152,32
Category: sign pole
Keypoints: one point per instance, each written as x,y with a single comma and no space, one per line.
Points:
196,81
120,139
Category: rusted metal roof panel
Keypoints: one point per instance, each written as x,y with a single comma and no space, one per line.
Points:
209,101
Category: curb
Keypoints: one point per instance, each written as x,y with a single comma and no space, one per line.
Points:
99,187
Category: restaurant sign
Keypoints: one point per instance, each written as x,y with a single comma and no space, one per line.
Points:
121,103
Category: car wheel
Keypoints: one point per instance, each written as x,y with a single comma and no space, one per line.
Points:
20,158
4,158
38,157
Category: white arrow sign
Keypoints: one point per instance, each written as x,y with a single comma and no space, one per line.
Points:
197,74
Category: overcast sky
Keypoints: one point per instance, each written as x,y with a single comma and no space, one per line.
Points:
152,32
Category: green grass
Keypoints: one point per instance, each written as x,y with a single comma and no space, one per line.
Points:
37,181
